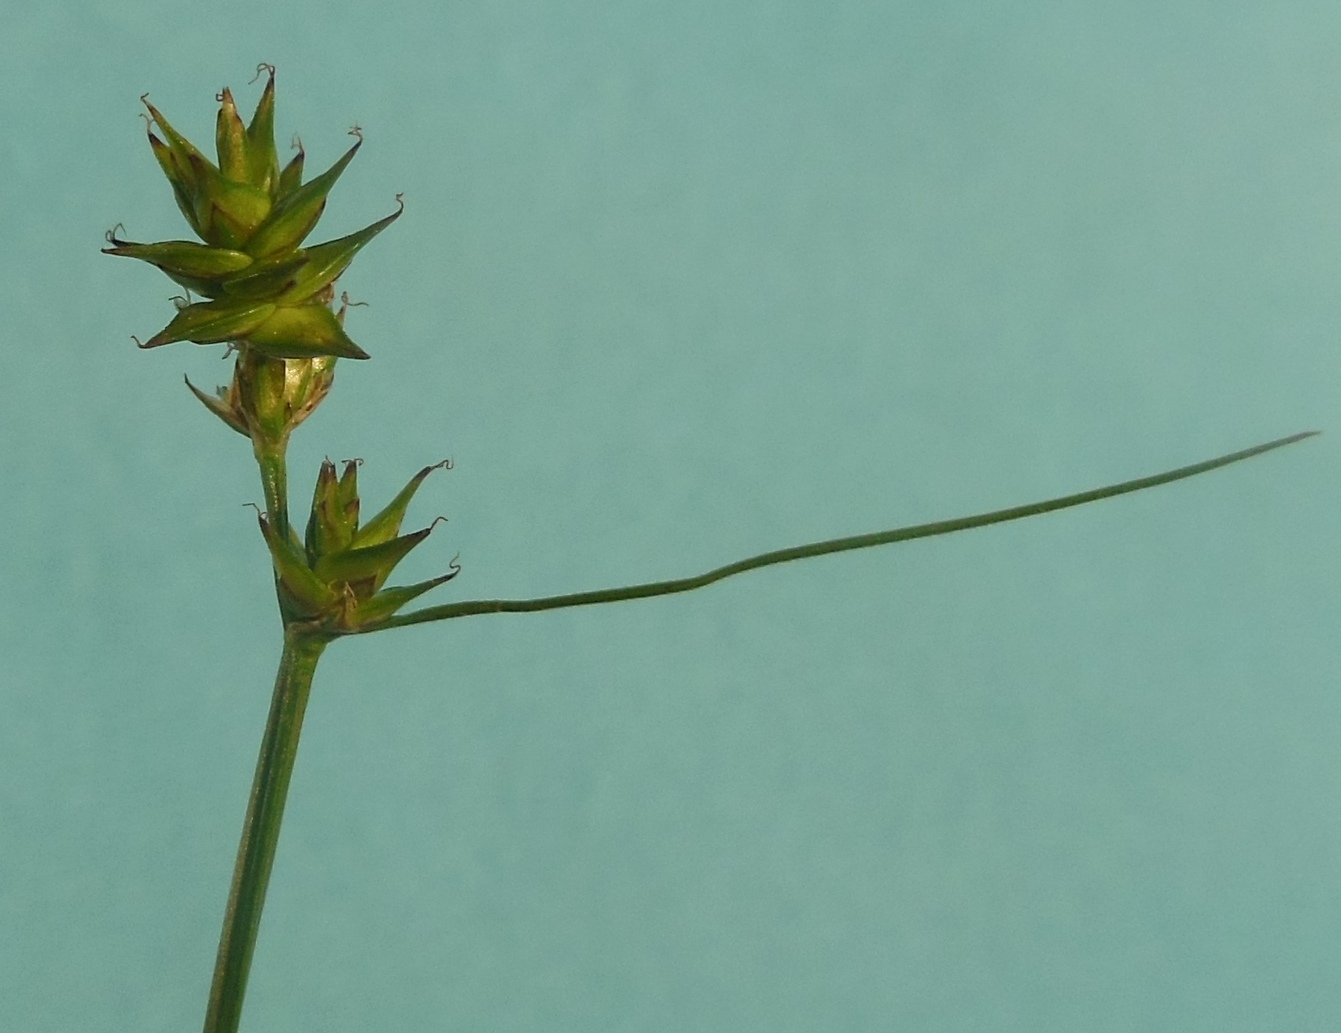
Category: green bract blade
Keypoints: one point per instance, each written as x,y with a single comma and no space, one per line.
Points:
324,263
230,139
177,171
347,502
305,590
320,536
209,322
182,148
178,174
183,257
367,566
294,217
302,332
330,528
386,524
389,600
262,161
269,278
292,176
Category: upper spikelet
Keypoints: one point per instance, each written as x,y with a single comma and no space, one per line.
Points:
264,290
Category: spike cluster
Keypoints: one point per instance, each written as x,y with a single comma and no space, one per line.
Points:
265,290
269,296
334,578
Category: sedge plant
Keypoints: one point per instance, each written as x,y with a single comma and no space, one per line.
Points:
259,289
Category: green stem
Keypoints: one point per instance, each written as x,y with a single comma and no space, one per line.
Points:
800,552
275,482
260,831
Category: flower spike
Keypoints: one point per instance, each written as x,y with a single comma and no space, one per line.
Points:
334,579
263,289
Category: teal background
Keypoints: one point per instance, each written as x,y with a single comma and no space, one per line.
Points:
678,282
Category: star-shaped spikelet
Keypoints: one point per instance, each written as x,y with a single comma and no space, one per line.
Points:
264,290
335,578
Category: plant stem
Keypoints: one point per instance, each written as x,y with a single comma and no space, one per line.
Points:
275,481
303,648
473,607
260,831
